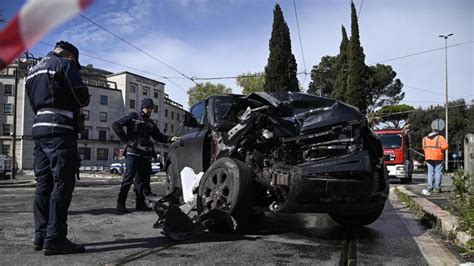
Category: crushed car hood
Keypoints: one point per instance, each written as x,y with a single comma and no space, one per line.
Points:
309,111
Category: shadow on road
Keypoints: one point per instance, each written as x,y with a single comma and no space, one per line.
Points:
121,244
102,211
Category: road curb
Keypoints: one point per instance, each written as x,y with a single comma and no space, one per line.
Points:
447,222
29,183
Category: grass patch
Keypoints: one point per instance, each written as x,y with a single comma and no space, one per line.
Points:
463,201
426,219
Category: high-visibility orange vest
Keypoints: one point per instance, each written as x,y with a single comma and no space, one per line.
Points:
434,148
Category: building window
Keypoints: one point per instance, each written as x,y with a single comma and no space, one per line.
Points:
7,108
85,134
177,117
5,149
166,128
85,114
172,128
133,88
145,91
103,100
172,115
102,154
155,93
103,135
85,153
132,104
103,117
6,129
166,112
8,89
155,109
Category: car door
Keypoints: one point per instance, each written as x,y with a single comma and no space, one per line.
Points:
190,148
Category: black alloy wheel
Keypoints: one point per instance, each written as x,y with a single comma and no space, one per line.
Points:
227,185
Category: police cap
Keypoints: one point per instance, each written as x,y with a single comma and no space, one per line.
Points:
70,48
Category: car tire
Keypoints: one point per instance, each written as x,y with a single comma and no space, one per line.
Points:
114,171
357,220
228,185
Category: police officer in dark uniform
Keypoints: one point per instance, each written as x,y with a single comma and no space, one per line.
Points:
57,96
138,152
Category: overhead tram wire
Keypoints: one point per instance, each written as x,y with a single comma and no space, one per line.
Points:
129,67
419,53
392,59
360,9
119,64
432,92
138,48
301,43
241,76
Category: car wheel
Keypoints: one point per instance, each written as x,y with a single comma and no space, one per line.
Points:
114,171
227,185
357,220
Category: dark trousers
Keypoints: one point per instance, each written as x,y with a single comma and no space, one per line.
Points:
55,164
138,168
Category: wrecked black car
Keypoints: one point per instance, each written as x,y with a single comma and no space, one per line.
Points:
287,152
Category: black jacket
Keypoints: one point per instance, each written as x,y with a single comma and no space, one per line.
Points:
56,92
140,130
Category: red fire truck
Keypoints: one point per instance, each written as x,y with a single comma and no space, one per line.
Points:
398,155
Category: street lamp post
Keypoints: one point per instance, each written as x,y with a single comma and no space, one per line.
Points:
446,63
15,102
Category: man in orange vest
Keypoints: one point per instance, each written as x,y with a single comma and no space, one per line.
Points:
434,146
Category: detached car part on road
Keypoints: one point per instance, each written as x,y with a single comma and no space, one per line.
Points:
291,152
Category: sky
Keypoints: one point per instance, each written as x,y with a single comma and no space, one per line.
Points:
225,38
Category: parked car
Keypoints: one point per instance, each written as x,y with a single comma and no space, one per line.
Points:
119,168
293,152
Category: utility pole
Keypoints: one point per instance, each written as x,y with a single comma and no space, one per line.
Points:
446,63
15,100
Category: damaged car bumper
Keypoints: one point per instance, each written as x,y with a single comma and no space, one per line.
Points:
344,185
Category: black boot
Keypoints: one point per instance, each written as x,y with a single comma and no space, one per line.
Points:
38,243
64,246
121,207
141,206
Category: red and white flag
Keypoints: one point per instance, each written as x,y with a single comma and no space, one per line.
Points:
35,19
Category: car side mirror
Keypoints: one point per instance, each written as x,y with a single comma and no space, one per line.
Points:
190,120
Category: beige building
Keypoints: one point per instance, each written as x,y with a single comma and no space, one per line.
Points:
112,96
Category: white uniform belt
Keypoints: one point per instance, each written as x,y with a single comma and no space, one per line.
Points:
67,113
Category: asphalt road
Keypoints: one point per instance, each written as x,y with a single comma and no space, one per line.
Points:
110,238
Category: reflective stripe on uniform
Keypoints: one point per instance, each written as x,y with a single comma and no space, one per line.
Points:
45,124
66,113
431,147
44,71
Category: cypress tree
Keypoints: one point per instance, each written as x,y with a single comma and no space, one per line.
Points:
356,93
280,72
340,86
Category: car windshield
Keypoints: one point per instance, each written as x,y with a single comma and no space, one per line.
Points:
222,107
391,141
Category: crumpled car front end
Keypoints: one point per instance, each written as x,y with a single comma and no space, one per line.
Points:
308,154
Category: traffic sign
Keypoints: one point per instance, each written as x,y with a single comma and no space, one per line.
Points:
437,124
